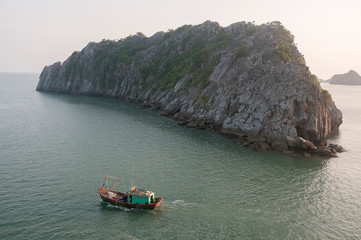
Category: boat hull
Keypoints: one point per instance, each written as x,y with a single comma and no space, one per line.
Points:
120,199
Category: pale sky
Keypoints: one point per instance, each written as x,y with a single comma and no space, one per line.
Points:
40,32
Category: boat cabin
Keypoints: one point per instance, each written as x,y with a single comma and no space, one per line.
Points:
140,196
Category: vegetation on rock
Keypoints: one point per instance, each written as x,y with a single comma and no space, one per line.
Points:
243,51
73,66
194,58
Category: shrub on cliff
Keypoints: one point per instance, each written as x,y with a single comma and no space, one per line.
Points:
327,96
243,51
284,52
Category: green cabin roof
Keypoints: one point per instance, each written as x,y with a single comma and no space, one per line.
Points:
140,193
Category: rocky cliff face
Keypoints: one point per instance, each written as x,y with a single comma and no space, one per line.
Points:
350,78
244,79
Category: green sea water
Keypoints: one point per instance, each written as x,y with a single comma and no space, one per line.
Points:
56,149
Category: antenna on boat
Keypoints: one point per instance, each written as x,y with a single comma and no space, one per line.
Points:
132,179
106,179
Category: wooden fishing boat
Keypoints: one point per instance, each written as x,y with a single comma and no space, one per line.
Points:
134,198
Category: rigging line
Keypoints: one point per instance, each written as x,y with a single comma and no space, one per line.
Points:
115,183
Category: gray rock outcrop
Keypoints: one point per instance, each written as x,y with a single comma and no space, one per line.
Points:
245,79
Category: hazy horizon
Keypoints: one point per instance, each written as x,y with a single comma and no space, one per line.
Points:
39,33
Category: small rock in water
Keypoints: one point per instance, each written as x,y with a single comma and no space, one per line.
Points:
336,147
324,151
265,146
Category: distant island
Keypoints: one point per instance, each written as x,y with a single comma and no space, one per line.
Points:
247,81
350,78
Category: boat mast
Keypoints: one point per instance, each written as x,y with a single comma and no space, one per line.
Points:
105,183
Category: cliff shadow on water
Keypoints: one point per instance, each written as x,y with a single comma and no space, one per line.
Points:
246,81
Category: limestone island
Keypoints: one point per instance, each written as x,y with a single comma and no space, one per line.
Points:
246,81
350,78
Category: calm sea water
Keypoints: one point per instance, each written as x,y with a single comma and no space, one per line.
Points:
55,150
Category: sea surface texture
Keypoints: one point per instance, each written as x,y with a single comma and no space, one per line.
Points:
56,149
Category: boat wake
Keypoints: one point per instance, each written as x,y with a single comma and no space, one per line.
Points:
108,205
179,203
